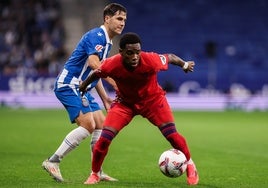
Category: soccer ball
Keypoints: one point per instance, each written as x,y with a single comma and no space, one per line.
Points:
172,163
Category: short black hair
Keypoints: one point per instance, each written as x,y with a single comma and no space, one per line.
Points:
112,8
129,38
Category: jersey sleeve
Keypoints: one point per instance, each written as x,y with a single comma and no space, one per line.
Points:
102,70
158,61
105,68
89,45
111,67
164,61
94,44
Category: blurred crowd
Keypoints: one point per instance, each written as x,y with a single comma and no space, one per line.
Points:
31,38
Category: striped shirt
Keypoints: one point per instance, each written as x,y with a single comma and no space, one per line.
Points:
95,41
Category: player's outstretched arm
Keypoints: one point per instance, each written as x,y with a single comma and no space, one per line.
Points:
91,78
187,66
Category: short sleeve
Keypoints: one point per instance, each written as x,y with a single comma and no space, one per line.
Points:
157,61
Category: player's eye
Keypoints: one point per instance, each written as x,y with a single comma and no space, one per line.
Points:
129,52
138,52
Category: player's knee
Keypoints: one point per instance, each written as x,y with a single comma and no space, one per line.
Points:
89,126
99,122
86,121
105,139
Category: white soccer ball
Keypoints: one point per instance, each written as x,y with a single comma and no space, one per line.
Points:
172,163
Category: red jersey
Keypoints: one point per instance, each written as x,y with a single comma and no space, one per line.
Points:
141,83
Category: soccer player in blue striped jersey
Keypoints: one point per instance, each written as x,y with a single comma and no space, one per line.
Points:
93,47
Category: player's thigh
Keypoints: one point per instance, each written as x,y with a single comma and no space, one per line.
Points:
72,102
118,116
98,114
159,112
86,120
99,118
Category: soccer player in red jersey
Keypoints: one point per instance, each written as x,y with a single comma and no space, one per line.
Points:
135,73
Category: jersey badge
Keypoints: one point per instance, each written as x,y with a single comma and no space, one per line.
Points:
98,48
163,59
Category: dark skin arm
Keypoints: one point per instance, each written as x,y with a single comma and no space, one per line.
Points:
173,59
91,78
185,65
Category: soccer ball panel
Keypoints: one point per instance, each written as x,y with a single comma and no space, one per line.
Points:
172,163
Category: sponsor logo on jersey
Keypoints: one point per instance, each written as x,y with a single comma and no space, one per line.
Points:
163,59
98,48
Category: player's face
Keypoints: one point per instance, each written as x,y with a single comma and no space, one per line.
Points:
131,55
116,23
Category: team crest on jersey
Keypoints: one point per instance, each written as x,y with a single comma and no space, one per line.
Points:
98,48
163,59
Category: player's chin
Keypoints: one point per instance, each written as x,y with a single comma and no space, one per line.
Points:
118,31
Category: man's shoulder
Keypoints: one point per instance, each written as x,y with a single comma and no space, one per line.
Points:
114,59
95,34
149,56
97,30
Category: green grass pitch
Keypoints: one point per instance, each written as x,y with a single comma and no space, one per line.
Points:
229,148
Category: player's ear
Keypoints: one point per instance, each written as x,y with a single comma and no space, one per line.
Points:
120,50
106,19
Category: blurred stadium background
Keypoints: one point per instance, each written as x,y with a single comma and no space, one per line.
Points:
228,40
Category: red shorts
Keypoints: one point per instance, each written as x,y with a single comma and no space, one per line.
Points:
156,110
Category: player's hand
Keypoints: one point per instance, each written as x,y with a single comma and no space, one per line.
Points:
189,67
82,88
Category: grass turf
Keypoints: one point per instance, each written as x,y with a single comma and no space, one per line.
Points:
229,148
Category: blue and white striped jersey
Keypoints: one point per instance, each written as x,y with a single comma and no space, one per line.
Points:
95,41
